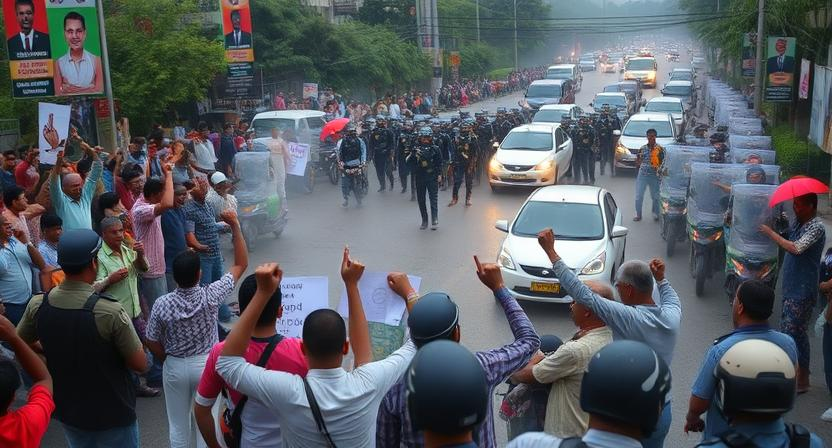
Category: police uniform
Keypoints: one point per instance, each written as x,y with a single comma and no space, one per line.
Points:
382,144
582,142
352,154
464,162
404,142
426,165
604,126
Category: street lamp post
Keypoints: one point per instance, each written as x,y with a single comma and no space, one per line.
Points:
758,72
516,67
478,21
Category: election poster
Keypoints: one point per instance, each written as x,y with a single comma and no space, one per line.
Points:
298,158
749,54
236,30
300,296
53,123
780,67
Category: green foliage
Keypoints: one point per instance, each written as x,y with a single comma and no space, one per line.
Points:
476,59
500,73
172,64
796,155
395,14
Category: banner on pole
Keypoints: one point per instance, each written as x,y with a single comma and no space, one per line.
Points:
54,48
780,65
749,54
236,30
803,88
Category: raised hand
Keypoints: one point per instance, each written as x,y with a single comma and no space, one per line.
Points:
546,240
400,284
657,268
268,277
351,270
489,274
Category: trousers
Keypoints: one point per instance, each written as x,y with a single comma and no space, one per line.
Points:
656,439
181,376
427,185
644,180
123,437
383,170
211,268
463,172
794,321
585,166
350,184
606,152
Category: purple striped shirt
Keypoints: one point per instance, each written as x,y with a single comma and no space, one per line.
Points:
394,428
148,228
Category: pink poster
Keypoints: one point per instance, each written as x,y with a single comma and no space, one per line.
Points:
805,68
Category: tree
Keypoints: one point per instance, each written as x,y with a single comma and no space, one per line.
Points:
399,15
476,59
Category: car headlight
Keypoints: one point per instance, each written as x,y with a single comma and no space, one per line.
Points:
494,165
596,266
505,261
622,150
545,165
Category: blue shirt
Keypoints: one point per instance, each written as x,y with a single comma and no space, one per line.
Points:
769,435
49,253
705,385
7,178
174,227
76,214
108,180
15,273
205,226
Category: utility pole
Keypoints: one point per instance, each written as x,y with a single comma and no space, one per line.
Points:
516,66
478,21
108,84
436,84
758,72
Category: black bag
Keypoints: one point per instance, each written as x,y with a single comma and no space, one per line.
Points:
232,419
316,414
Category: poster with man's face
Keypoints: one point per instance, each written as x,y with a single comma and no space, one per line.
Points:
236,30
780,68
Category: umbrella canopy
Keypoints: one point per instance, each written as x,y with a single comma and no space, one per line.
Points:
333,127
795,187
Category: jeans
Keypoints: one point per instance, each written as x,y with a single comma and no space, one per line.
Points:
426,184
350,184
181,376
123,437
15,311
151,289
644,180
827,355
656,439
211,268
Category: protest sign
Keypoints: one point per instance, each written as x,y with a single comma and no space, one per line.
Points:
381,304
298,158
53,124
301,296
310,90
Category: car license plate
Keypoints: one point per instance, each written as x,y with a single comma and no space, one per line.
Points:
552,288
517,176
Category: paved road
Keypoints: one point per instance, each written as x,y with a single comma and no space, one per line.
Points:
385,235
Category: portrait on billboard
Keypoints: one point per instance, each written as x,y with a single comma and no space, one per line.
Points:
238,37
79,70
28,42
780,64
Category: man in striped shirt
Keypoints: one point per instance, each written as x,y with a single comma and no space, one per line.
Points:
147,224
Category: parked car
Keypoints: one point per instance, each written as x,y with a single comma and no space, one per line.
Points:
553,113
531,155
306,125
587,222
548,91
681,89
634,136
642,69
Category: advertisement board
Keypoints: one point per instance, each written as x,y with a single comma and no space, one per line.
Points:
749,54
780,66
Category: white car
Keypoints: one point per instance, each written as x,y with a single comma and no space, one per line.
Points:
531,155
553,113
634,136
672,105
589,237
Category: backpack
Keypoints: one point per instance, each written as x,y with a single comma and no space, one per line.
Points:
799,437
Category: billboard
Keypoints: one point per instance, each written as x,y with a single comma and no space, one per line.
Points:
820,126
749,54
236,31
780,66
54,48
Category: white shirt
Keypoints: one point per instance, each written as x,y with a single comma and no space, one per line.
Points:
204,152
349,401
80,73
395,111
30,36
593,438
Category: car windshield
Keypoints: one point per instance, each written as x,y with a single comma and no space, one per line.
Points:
549,116
559,73
543,91
612,88
682,76
529,141
571,221
662,106
676,90
612,100
639,128
263,126
640,64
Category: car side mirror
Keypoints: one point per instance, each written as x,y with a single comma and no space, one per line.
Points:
501,225
619,231
616,133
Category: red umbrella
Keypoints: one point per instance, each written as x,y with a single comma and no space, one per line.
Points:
796,186
333,127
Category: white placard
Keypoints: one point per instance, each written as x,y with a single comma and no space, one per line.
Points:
298,157
381,304
301,296
53,119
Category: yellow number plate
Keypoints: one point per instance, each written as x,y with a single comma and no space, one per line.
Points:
517,176
552,288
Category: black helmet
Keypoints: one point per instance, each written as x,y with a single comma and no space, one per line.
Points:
755,376
446,389
78,247
349,128
433,317
549,343
627,382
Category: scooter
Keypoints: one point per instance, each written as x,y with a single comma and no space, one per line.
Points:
673,222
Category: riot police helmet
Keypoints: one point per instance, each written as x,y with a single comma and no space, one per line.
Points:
446,389
717,137
381,121
626,382
425,133
78,248
501,110
349,129
435,316
755,376
565,118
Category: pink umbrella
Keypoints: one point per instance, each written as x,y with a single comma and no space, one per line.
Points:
333,127
795,187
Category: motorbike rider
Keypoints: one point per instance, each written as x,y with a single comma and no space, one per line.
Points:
583,141
352,156
407,137
464,161
604,126
382,143
425,161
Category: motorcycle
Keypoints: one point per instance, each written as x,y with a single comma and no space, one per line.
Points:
259,208
749,254
359,173
675,178
328,164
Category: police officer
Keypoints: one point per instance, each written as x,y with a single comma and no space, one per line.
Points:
583,142
443,140
352,157
756,384
503,124
464,161
407,137
568,126
382,144
425,162
604,126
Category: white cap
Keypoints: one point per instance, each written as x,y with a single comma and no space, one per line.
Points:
218,178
